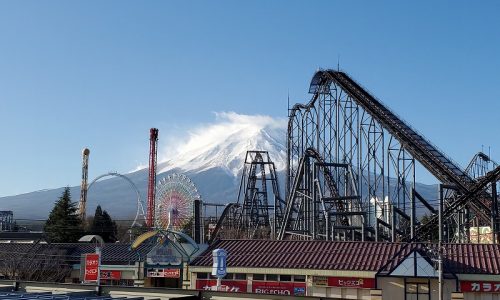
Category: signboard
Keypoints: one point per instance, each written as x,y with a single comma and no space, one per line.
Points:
164,254
111,275
347,282
235,286
164,273
219,262
320,280
481,235
91,267
480,286
352,282
279,288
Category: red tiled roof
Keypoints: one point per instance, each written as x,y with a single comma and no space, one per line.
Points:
112,253
472,258
353,256
320,255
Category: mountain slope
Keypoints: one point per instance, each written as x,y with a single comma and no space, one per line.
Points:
212,156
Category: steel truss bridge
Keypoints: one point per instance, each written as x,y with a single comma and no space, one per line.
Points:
351,172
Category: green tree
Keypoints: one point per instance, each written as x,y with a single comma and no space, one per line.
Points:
103,225
64,225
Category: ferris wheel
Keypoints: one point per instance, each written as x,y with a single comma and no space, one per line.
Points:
175,195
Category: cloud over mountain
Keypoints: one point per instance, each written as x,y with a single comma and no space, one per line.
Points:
224,142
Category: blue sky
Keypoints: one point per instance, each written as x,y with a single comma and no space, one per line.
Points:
99,74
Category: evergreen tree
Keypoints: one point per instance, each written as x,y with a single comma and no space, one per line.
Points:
64,225
104,226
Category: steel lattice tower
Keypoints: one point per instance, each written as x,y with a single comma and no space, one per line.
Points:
82,206
153,146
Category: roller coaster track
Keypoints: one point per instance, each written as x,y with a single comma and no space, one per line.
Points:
477,188
223,217
293,206
480,164
435,161
427,154
255,208
252,216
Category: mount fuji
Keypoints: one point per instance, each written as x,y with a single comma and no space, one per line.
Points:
212,156
224,145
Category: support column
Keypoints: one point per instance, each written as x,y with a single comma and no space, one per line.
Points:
413,213
494,212
440,257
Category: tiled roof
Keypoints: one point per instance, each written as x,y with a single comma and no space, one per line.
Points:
354,256
117,253
320,255
472,258
28,236
111,253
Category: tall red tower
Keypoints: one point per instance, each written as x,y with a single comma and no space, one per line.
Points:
153,146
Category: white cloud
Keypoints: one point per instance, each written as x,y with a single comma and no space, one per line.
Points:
222,142
226,124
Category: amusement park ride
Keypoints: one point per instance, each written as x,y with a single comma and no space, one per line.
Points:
348,152
171,202
350,175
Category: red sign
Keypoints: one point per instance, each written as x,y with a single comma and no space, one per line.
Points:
91,266
235,286
165,273
480,286
352,282
279,288
172,273
111,275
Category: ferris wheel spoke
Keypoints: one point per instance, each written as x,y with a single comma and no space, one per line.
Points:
175,197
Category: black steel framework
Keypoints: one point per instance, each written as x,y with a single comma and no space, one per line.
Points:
351,176
258,217
259,209
6,220
351,169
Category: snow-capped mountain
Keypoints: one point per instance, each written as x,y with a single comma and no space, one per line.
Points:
212,156
224,144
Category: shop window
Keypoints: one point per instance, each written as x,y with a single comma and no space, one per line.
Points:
240,276
271,277
258,277
202,275
299,278
121,282
285,277
417,291
126,282
229,276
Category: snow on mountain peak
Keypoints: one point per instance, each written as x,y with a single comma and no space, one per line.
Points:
224,143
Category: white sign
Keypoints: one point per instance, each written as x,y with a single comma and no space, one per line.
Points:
219,266
164,254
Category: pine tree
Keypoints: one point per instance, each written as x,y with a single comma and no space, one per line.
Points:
104,226
64,225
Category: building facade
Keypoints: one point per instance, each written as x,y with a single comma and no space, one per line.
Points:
352,270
